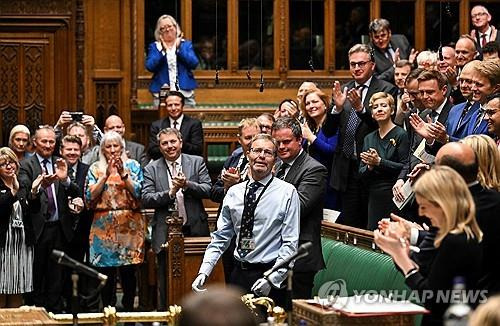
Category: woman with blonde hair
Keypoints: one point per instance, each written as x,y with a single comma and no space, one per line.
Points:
19,141
113,190
488,158
384,153
16,234
444,198
487,314
171,59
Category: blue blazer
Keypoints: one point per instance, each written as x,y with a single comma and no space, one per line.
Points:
157,63
458,132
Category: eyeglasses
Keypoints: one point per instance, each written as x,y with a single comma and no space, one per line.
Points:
259,151
7,163
360,64
167,27
479,14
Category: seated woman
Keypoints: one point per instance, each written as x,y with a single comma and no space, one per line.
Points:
320,147
385,152
113,190
16,235
443,197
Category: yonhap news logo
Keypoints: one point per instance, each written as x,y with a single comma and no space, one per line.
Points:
337,288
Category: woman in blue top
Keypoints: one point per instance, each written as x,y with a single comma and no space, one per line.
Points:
313,106
171,59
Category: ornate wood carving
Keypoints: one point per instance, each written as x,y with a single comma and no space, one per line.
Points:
9,76
36,7
80,55
133,91
107,100
283,22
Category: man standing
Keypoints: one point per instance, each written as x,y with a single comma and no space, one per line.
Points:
134,150
190,128
465,51
263,214
388,49
308,176
351,116
180,179
433,89
483,32
44,178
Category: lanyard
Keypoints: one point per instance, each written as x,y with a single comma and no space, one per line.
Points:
254,206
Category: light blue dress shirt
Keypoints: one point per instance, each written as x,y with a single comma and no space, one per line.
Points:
276,226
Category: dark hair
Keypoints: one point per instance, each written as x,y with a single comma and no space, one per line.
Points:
268,115
413,75
178,94
467,171
493,96
290,123
378,25
71,139
491,47
433,74
289,100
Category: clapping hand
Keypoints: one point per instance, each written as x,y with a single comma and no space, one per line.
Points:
339,96
230,177
370,158
420,126
354,96
437,131
61,168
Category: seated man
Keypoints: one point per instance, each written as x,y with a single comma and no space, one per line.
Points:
175,179
190,128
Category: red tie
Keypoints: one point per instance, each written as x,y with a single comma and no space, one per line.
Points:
483,40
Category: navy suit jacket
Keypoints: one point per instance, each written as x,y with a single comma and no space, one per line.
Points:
455,131
337,122
192,136
157,63
217,192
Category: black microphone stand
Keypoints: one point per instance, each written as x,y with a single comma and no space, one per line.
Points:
74,297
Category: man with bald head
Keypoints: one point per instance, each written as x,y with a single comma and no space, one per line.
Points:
134,150
462,159
465,50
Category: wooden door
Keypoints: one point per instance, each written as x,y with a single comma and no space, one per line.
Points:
26,81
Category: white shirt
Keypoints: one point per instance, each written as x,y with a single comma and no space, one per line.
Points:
179,122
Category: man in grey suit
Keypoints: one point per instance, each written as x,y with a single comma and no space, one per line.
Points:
308,176
134,150
175,179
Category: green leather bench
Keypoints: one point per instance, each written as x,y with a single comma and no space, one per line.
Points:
350,256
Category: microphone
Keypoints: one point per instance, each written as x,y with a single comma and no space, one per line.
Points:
66,260
301,252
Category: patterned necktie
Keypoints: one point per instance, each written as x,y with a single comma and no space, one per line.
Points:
179,196
247,221
72,173
175,124
51,206
352,125
434,116
281,172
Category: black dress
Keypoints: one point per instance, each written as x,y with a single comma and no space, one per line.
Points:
456,256
393,150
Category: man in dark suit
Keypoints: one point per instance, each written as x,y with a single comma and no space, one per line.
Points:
134,150
309,178
175,179
388,49
190,128
433,89
44,178
351,116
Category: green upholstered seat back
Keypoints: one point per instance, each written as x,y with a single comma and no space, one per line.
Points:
360,269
